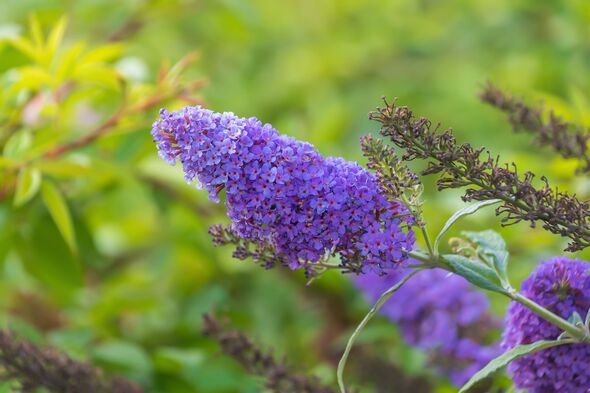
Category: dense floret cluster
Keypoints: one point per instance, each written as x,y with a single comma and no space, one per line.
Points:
282,192
441,314
561,285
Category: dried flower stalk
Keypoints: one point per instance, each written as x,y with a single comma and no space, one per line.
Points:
32,368
567,139
278,377
461,166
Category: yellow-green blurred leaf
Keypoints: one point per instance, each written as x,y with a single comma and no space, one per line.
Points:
63,168
33,77
98,74
103,54
69,62
56,36
36,32
6,162
17,145
26,48
27,185
60,213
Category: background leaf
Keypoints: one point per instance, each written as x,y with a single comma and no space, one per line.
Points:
60,213
27,185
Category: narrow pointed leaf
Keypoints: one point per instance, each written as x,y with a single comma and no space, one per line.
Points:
507,357
461,213
27,185
60,213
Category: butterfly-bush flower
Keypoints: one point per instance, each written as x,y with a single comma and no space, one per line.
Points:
282,192
441,314
561,285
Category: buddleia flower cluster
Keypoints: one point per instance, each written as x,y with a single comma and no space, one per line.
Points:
441,314
561,285
283,193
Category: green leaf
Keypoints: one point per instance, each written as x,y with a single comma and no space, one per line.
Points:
491,244
103,54
63,168
17,145
461,213
475,272
502,360
123,357
27,185
176,360
60,213
47,258
55,37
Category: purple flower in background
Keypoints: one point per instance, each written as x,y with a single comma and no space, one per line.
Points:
282,192
561,285
440,313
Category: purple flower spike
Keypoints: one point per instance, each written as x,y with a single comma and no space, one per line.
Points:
561,285
282,192
440,313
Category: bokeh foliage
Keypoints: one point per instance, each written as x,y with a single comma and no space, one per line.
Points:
104,249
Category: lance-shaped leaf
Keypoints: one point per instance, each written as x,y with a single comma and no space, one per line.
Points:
27,185
461,213
507,357
60,213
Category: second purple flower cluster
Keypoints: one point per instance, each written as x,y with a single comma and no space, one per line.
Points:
441,314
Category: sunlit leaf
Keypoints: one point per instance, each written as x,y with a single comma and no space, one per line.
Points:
27,184
98,74
60,213
17,145
55,37
69,62
102,54
33,77
26,48
63,168
36,32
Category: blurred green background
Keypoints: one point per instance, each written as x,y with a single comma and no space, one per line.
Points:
104,250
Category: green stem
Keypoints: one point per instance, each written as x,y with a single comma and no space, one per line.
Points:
574,331
384,297
555,319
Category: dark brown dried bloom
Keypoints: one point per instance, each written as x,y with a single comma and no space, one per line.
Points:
278,377
463,166
567,139
32,368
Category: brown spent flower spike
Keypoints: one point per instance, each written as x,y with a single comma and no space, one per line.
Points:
278,378
33,368
567,139
485,178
